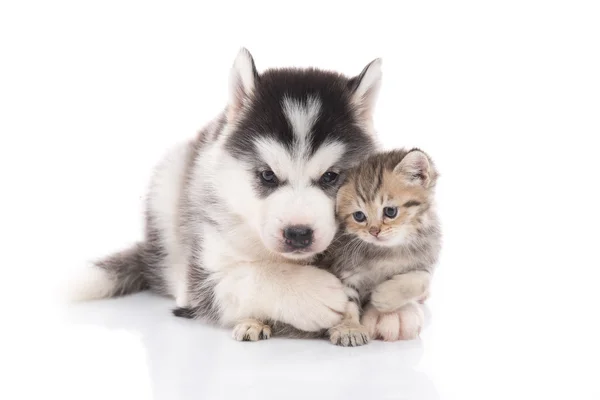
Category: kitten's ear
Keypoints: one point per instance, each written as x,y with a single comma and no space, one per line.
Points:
242,80
365,88
416,168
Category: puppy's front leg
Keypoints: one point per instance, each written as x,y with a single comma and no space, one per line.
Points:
306,297
251,330
400,290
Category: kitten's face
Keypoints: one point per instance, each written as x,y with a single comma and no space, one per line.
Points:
385,203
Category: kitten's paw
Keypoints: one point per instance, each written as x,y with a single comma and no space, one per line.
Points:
348,334
391,295
251,330
369,320
388,327
403,324
386,297
423,298
411,319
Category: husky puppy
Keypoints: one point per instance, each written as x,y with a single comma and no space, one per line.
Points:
236,216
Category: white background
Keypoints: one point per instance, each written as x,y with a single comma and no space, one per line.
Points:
505,96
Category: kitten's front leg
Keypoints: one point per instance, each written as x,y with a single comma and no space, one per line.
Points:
350,332
401,289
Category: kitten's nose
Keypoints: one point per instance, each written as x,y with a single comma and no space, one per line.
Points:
374,231
298,236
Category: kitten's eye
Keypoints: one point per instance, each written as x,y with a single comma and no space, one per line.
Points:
359,216
268,178
390,212
328,178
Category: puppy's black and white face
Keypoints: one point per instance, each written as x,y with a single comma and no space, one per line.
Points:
291,136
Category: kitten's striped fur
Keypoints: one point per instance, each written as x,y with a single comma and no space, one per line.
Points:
386,262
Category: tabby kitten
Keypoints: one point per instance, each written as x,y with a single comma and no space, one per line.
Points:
387,246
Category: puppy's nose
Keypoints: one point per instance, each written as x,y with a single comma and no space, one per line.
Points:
298,236
374,231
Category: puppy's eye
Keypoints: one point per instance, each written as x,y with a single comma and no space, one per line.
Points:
359,216
328,178
390,212
268,178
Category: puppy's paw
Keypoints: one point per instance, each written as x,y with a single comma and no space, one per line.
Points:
403,324
319,303
251,330
348,334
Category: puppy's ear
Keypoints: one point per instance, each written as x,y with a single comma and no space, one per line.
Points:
242,80
365,88
416,169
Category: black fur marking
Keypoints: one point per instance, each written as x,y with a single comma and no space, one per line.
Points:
183,312
336,122
371,179
378,183
411,203
265,190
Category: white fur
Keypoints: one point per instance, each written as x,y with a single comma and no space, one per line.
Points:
241,77
370,81
304,296
252,283
89,283
233,183
299,202
298,205
302,118
299,170
164,203
251,278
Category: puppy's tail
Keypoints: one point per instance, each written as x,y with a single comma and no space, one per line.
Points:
184,312
116,275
